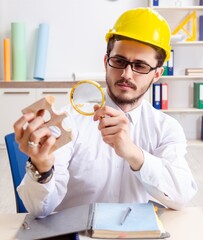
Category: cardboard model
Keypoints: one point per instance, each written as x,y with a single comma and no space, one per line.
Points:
64,136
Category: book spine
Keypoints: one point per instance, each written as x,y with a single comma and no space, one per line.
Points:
194,70
198,95
171,64
155,2
202,129
164,96
200,2
165,66
201,28
157,95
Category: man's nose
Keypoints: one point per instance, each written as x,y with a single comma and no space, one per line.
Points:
127,71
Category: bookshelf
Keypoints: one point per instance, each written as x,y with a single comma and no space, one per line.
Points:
183,110
178,8
182,77
187,54
188,43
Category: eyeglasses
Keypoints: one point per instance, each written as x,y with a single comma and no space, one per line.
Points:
137,66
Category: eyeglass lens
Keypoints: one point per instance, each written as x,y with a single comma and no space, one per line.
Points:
136,66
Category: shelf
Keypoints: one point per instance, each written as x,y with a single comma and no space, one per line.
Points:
195,142
183,110
187,43
182,77
178,8
42,84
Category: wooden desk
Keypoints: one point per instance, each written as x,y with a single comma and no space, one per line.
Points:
182,225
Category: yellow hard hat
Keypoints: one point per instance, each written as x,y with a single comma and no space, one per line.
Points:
145,25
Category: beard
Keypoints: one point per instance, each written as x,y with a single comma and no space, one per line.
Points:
122,100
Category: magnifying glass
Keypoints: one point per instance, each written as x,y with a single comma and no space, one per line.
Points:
85,94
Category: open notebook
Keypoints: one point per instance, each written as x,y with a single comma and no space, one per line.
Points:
100,220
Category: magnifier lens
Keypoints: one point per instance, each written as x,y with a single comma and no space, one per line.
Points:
84,95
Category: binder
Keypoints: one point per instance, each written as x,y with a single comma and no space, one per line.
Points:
201,2
155,2
201,28
165,66
202,129
157,95
164,96
198,95
171,64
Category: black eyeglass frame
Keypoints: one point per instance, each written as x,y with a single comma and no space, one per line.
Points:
131,65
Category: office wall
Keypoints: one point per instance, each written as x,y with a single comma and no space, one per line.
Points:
77,30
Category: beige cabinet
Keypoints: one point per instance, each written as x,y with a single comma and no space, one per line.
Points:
12,101
61,95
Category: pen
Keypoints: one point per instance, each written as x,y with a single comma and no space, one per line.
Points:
125,215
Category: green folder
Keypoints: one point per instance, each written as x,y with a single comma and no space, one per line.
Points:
165,66
198,95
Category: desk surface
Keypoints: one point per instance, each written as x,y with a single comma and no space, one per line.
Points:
182,225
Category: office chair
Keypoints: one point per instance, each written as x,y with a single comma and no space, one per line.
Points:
17,161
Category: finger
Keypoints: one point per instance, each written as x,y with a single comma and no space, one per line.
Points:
38,139
20,123
96,107
106,111
120,121
48,145
40,135
110,130
33,126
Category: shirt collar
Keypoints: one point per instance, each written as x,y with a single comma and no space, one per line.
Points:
132,115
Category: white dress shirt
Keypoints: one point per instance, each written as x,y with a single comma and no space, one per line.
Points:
88,170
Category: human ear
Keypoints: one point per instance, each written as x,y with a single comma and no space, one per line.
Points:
105,61
158,73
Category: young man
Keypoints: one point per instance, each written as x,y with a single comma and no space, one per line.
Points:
133,154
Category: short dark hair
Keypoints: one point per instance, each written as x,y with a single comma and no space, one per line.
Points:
160,56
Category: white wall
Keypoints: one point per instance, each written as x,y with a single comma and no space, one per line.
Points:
77,30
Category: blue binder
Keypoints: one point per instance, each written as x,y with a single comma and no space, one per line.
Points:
156,95
201,28
155,2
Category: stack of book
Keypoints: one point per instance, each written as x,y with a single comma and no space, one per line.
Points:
194,71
